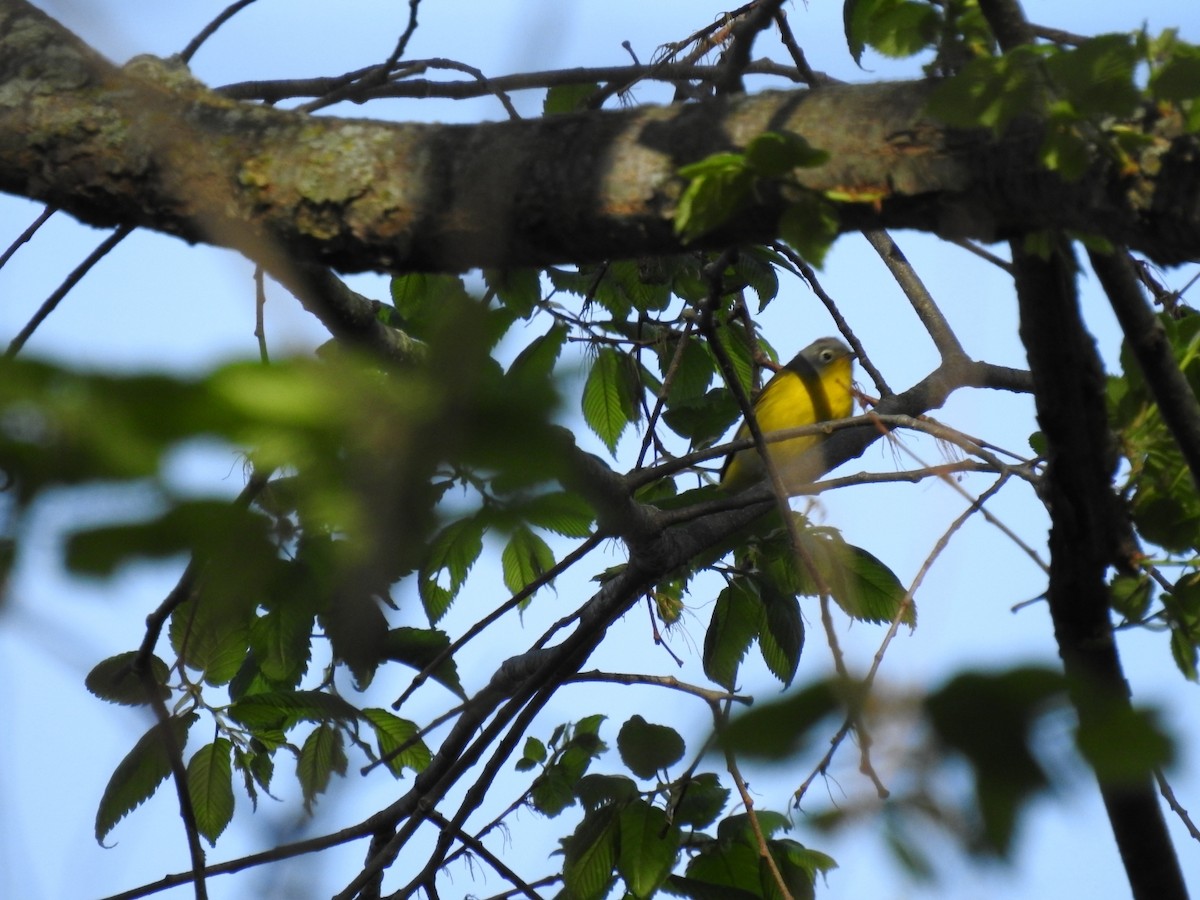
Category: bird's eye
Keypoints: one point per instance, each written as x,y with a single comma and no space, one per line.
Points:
826,356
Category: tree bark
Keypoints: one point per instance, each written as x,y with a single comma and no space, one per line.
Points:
146,145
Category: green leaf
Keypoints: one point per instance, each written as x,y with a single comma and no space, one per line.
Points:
451,555
393,732
798,865
567,98
321,756
562,512
1177,79
418,648
518,289
719,187
773,154
526,559
781,638
861,585
281,641
649,847
989,718
140,773
1097,77
210,786
895,28
648,749
989,92
699,800
780,729
533,754
810,225
534,365
113,680
735,623
594,791
422,301
608,402
590,855
732,867
284,709
1130,595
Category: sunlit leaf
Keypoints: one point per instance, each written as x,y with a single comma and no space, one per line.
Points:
210,786
393,732
649,847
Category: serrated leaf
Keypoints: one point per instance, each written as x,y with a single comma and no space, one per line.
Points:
732,868
564,513
281,640
608,405
534,752
452,553
735,622
210,786
648,749
321,756
526,559
781,638
590,855
418,648
113,680
393,732
140,773
283,709
861,585
649,847
719,187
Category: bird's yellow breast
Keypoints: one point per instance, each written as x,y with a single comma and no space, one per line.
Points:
787,402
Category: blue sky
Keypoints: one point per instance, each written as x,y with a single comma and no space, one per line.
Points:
156,302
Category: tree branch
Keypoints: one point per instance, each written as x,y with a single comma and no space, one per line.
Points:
81,134
1086,532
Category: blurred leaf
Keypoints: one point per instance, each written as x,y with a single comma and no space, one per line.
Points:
114,680
646,749
533,754
989,718
210,786
140,773
779,730
774,154
421,300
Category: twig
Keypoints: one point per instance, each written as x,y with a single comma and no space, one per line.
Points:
26,235
667,681
210,29
48,306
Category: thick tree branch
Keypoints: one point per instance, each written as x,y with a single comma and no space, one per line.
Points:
1086,533
148,146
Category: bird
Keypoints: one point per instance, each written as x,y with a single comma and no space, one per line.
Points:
814,387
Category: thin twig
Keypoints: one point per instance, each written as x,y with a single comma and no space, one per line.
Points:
51,302
26,235
210,29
